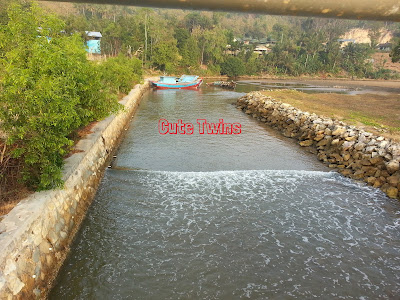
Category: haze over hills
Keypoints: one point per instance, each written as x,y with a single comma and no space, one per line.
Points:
363,36
243,24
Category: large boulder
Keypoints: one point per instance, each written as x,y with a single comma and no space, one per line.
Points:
392,192
306,143
392,166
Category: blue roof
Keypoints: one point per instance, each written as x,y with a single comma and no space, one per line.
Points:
95,34
346,40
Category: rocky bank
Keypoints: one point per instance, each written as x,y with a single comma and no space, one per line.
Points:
352,151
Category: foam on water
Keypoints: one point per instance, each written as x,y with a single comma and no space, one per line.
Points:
235,234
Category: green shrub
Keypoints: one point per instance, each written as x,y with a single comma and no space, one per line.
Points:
233,67
48,89
120,73
395,54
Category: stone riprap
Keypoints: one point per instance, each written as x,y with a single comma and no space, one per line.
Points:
35,235
352,151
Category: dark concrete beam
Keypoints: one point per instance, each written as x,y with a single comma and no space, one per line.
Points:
386,10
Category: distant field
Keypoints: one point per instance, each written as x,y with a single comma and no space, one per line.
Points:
376,113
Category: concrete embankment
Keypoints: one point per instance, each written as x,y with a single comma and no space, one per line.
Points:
36,234
352,151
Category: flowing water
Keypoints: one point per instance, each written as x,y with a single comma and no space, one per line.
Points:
247,216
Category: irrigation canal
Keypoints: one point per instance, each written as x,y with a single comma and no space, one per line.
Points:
233,216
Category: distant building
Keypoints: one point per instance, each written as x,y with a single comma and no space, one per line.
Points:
93,39
261,49
261,46
344,42
268,42
39,30
384,47
250,41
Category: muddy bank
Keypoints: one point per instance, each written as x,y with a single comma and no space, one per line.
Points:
367,85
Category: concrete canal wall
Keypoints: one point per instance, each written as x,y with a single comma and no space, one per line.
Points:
35,235
354,152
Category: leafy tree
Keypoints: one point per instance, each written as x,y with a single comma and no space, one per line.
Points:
233,67
119,73
190,53
304,45
166,55
195,19
374,33
112,41
253,64
214,45
48,89
331,57
75,24
395,54
181,35
311,46
217,17
131,40
3,12
282,59
278,32
355,59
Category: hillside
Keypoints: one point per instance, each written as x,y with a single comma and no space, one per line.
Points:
362,36
59,8
384,60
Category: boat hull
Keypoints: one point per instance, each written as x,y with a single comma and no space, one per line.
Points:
178,86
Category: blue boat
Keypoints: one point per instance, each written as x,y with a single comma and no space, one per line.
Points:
184,82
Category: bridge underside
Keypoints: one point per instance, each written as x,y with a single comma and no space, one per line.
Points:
386,10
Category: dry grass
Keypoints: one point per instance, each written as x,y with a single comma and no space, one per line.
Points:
376,113
11,188
385,61
59,8
6,207
83,132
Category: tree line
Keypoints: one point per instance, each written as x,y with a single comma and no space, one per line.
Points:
49,90
177,41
